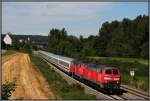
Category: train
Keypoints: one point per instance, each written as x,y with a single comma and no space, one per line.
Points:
106,77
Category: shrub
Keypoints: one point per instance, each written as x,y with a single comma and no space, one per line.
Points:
7,90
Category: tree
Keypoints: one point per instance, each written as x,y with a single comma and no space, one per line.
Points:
144,50
124,38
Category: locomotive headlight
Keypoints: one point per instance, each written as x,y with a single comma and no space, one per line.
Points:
107,78
116,78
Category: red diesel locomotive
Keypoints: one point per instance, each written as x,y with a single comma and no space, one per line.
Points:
106,77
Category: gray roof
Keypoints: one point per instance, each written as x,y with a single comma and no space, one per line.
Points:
59,57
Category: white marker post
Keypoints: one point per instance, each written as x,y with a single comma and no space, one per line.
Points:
132,75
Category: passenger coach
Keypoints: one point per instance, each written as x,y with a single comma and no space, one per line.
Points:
61,61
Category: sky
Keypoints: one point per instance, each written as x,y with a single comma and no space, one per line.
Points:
78,18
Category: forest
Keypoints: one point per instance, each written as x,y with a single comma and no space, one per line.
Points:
126,38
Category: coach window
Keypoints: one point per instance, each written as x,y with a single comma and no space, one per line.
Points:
55,60
64,63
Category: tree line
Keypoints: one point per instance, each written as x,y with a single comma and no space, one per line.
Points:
126,38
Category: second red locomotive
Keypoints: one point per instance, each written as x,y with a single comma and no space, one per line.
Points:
106,77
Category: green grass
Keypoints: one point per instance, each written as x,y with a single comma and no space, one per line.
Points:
8,52
59,86
141,67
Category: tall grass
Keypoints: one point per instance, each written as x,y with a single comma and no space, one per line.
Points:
59,86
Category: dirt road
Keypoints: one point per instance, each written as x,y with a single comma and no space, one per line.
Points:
30,83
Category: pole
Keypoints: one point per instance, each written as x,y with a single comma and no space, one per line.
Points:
131,80
132,75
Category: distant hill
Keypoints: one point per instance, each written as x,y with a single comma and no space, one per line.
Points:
33,38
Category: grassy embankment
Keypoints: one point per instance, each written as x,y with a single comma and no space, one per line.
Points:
59,86
8,52
141,66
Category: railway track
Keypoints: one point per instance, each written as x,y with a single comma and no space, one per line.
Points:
135,92
117,97
130,93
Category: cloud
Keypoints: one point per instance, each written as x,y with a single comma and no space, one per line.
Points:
24,16
60,10
77,17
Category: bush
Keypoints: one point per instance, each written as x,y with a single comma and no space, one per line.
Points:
27,48
7,90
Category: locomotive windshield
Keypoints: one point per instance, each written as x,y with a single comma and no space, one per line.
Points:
108,71
115,71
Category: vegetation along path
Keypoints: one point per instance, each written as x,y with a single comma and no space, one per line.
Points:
30,83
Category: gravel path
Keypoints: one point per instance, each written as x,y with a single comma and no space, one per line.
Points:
30,83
